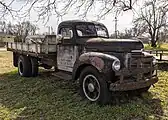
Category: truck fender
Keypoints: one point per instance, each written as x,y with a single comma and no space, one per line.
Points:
101,61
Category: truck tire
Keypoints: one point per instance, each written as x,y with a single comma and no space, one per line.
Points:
93,86
24,66
47,67
143,90
34,63
15,59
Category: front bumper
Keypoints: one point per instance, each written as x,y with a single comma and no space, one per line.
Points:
139,72
133,85
138,81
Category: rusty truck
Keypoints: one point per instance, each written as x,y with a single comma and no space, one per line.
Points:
84,51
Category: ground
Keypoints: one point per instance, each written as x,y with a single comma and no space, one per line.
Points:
49,98
163,46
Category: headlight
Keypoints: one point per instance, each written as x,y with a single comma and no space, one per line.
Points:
154,61
116,65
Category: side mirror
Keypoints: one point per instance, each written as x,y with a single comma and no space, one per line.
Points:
59,38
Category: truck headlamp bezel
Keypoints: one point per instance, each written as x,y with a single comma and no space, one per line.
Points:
116,65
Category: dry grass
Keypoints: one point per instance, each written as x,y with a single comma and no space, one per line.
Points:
48,98
6,62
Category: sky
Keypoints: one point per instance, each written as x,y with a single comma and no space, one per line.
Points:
124,20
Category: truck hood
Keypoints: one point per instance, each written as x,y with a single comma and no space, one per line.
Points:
118,45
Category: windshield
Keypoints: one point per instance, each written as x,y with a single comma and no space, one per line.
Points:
88,30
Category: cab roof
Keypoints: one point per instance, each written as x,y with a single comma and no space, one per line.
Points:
75,22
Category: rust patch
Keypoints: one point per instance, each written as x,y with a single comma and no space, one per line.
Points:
97,62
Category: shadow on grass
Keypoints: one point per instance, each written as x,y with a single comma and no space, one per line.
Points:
46,97
163,66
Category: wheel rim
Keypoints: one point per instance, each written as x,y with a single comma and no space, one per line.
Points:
91,87
20,68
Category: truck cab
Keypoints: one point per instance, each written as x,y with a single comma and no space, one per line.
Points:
75,35
102,65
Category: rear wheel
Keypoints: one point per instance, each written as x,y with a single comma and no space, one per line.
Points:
15,59
34,63
24,66
93,86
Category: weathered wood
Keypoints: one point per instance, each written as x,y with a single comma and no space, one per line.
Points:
36,48
161,55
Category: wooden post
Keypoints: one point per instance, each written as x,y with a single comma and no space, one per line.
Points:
150,51
161,56
156,53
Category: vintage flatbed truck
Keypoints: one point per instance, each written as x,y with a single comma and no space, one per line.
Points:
85,51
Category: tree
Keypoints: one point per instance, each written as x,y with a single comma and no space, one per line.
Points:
46,8
21,30
139,29
28,28
2,26
152,18
127,34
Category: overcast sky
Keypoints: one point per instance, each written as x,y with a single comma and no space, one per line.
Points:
124,20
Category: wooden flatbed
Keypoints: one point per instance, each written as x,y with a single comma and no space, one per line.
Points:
44,51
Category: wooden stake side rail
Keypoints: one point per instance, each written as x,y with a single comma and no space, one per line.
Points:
32,48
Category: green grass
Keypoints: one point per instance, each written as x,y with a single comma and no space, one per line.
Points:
163,46
48,98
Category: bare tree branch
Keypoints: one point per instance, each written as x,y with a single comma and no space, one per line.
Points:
153,18
46,8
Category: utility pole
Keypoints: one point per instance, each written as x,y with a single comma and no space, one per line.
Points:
116,25
48,32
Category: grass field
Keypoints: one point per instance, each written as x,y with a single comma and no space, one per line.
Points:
163,46
49,98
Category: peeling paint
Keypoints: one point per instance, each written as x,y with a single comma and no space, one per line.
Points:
66,57
97,62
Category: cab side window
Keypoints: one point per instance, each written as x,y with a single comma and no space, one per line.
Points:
67,33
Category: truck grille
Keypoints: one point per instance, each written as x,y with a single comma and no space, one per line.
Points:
140,66
138,60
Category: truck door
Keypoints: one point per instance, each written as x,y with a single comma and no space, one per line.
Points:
67,52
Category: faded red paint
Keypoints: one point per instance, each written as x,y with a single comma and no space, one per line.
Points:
97,62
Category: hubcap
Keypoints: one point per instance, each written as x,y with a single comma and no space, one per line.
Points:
91,87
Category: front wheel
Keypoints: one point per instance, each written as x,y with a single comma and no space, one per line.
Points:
93,86
143,90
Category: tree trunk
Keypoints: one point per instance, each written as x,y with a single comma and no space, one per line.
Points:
153,41
153,38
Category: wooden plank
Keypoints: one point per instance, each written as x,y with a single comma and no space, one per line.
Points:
161,55
164,58
34,47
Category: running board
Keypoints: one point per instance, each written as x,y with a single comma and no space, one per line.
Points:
62,75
